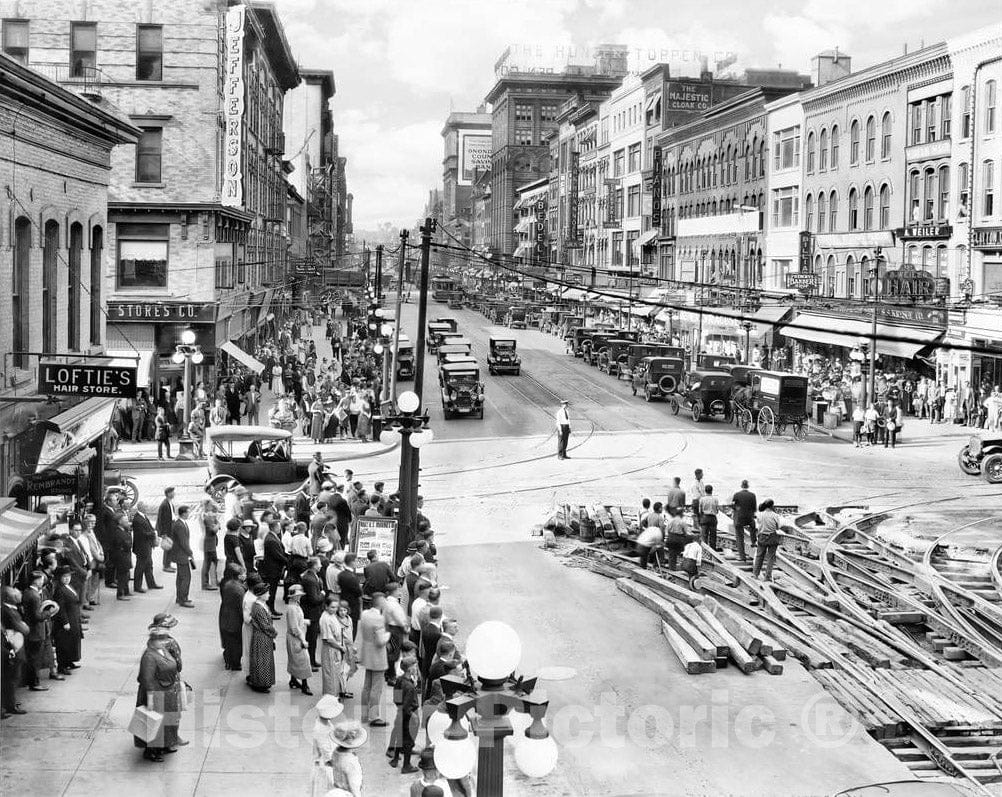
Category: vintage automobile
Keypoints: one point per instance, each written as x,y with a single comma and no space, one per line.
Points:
638,351
982,455
453,346
714,362
658,377
250,455
772,401
614,356
743,373
502,359
705,394
435,332
515,318
405,358
454,301
593,345
448,320
458,358
462,390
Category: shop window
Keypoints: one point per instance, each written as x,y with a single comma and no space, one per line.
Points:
50,291
73,288
885,136
96,283
149,52
149,155
15,40
83,49
143,251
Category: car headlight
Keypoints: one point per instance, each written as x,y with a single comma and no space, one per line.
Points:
695,385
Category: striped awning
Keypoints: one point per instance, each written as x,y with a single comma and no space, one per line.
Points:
18,531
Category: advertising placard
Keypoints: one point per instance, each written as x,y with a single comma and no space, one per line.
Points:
474,153
376,533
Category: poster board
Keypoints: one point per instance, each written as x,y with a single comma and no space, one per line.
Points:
379,533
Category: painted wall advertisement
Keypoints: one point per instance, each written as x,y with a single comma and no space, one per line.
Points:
474,153
688,96
233,108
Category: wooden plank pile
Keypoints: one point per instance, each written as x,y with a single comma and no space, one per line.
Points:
938,701
873,714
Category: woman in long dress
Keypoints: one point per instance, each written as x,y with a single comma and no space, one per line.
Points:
262,644
337,651
231,619
66,628
298,654
324,746
364,428
160,691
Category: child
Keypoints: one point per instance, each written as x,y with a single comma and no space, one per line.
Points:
405,696
692,558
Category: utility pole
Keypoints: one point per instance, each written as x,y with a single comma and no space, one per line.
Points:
366,261
410,457
396,331
878,253
379,273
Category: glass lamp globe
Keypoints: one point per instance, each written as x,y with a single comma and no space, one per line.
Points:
389,437
177,357
438,723
197,357
493,650
421,439
454,758
386,329
536,758
408,401
377,349
188,337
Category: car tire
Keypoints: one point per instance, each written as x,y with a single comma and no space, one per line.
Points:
970,470
991,468
647,394
696,411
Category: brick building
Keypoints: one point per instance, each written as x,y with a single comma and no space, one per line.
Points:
56,152
197,208
466,140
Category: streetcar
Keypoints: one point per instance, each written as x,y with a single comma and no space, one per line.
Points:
442,285
772,402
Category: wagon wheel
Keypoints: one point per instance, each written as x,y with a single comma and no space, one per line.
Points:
799,431
673,403
746,421
766,423
129,491
218,486
696,410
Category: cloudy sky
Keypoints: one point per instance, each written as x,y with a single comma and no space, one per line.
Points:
401,65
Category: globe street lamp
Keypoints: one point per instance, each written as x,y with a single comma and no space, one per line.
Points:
409,427
493,652
187,352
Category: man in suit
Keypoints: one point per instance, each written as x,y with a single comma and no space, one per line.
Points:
350,589
744,504
312,604
105,526
38,641
273,564
144,539
342,514
302,508
377,574
430,635
166,515
77,560
182,556
121,548
11,622
373,638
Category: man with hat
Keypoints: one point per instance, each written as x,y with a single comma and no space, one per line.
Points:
563,422
15,631
430,779
183,556
312,604
166,515
373,638
144,539
405,697
248,533
38,642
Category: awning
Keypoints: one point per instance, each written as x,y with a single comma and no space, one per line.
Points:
644,240
241,356
644,310
128,357
521,250
69,431
525,224
18,531
892,340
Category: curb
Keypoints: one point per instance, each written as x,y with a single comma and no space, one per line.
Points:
155,464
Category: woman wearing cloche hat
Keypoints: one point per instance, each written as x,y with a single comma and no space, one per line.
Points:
297,651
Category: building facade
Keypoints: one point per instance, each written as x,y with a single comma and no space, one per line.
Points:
784,170
57,153
197,209
466,139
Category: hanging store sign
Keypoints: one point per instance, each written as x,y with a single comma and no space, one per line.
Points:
233,107
540,247
178,312
923,232
571,239
987,238
656,160
53,482
113,381
805,283
612,220
806,251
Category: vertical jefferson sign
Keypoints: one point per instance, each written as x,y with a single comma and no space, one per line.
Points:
233,108
571,240
656,161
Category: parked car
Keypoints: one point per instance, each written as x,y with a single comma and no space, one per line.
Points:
982,456
453,346
657,377
516,318
614,356
594,344
705,394
462,390
638,351
715,362
405,358
435,332
502,359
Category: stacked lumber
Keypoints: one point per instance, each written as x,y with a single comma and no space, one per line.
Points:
879,720
937,701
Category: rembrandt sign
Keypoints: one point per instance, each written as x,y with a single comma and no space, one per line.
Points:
233,108
112,381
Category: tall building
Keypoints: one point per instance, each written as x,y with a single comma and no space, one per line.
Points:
466,139
57,151
197,209
524,109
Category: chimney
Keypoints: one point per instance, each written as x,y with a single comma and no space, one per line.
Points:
830,65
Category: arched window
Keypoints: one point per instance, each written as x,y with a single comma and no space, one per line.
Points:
713,208
885,135
868,208
810,152
755,155
809,213
74,288
21,291
864,276
832,212
885,207
747,161
822,212
915,196
850,277
988,188
853,210
871,138
854,142
941,256
929,205
50,291
716,170
834,146
823,146
96,281
761,159
990,101
943,212
830,273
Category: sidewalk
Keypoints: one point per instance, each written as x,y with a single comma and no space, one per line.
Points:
915,431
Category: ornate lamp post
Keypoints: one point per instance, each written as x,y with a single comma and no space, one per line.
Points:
860,357
493,652
410,427
187,352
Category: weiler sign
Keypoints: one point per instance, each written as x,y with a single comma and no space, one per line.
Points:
110,381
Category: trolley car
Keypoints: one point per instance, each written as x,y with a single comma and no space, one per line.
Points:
772,402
